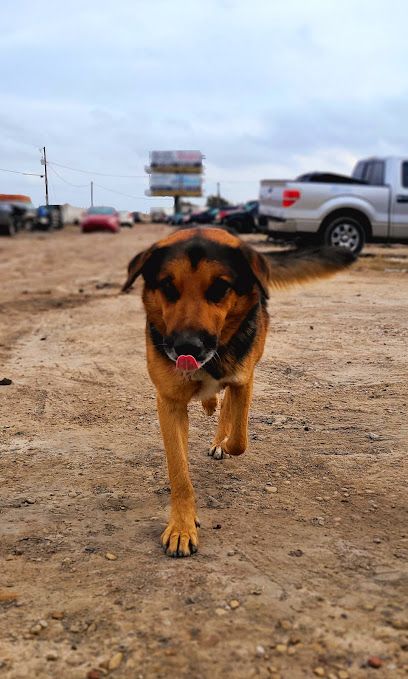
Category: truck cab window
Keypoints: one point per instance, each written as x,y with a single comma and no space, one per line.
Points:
404,174
374,173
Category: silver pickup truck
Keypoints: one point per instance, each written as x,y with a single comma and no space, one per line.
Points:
371,205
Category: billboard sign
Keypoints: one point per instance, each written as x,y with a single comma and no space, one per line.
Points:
176,161
173,184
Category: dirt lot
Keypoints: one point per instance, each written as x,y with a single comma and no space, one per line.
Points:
302,568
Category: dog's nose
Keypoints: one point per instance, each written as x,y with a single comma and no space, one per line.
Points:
188,346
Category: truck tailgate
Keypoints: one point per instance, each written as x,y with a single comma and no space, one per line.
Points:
277,195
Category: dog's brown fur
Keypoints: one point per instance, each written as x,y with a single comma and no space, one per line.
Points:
192,260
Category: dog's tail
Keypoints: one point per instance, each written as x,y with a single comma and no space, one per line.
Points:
288,267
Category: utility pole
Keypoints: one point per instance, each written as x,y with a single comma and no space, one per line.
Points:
44,162
218,194
91,194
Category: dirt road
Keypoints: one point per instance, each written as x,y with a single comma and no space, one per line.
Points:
302,568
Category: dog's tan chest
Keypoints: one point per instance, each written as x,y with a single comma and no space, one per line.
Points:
209,387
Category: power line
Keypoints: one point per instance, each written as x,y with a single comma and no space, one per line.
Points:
127,195
77,186
30,174
100,174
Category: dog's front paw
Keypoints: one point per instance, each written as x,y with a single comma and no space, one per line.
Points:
180,537
217,451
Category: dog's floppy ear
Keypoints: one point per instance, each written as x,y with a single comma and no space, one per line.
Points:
147,263
135,267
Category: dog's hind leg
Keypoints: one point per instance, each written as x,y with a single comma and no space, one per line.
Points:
210,405
180,537
223,429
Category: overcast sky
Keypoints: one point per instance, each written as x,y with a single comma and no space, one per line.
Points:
264,88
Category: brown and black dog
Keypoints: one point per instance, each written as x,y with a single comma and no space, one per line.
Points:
205,294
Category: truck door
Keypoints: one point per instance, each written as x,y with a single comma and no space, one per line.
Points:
399,205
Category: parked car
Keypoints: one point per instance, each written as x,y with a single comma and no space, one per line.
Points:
225,212
371,205
158,217
43,218
20,210
7,223
48,217
177,219
126,218
202,216
100,219
244,220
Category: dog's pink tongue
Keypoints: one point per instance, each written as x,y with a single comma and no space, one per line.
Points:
187,363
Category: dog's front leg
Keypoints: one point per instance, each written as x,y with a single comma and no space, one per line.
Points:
180,537
240,401
232,433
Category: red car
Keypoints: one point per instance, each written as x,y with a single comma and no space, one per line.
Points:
101,219
225,212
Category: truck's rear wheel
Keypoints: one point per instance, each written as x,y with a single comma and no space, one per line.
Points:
345,232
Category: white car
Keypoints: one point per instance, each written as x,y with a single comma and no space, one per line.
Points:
125,218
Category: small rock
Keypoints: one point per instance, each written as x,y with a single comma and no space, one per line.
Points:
5,381
212,502
260,651
231,552
220,611
43,623
373,437
399,623
375,661
216,526
296,552
343,674
110,556
35,629
377,540
8,596
281,648
57,615
115,661
319,672
94,674
234,603
52,655
318,521
75,628
286,625
271,489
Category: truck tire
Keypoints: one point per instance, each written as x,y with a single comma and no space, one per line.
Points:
8,229
345,232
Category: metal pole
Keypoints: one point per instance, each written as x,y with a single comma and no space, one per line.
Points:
46,177
91,194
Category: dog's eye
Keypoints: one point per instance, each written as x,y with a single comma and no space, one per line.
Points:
217,290
169,290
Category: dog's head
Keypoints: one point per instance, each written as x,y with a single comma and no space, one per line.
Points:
201,283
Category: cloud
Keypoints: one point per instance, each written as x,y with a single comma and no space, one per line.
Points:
261,88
